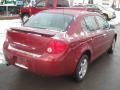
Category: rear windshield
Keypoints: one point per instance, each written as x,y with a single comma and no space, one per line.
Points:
50,21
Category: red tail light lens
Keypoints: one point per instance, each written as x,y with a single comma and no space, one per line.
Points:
56,47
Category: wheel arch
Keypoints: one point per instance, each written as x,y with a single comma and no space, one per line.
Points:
87,52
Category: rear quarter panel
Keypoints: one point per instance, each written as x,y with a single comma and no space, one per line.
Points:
78,44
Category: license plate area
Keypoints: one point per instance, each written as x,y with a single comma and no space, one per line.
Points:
21,62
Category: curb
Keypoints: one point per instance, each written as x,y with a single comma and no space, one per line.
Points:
9,17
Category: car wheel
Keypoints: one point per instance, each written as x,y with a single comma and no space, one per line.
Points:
105,16
81,68
25,17
111,49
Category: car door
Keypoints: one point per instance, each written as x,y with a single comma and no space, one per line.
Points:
96,35
108,33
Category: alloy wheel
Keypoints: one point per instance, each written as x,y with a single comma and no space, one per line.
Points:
83,68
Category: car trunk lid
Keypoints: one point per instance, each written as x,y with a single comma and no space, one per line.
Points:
29,40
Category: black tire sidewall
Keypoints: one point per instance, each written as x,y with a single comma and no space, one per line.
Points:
77,77
111,50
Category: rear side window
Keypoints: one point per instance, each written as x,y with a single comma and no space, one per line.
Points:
103,24
91,23
63,3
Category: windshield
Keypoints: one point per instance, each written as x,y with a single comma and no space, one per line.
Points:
49,21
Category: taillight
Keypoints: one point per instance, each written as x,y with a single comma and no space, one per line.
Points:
56,47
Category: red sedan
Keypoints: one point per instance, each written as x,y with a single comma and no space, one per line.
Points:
59,42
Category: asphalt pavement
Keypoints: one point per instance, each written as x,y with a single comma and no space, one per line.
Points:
103,74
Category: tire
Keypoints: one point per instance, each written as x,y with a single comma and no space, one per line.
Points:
81,68
111,49
25,17
106,16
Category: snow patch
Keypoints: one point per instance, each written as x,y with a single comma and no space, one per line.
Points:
4,25
115,20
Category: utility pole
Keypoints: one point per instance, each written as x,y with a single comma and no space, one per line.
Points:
119,4
114,4
71,2
83,1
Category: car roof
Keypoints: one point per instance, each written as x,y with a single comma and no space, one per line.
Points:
72,11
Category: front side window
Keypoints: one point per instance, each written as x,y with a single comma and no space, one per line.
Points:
102,22
91,23
50,21
41,3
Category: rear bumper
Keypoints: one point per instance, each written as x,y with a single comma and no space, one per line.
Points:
46,65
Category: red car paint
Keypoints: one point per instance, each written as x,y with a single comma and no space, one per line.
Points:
54,53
